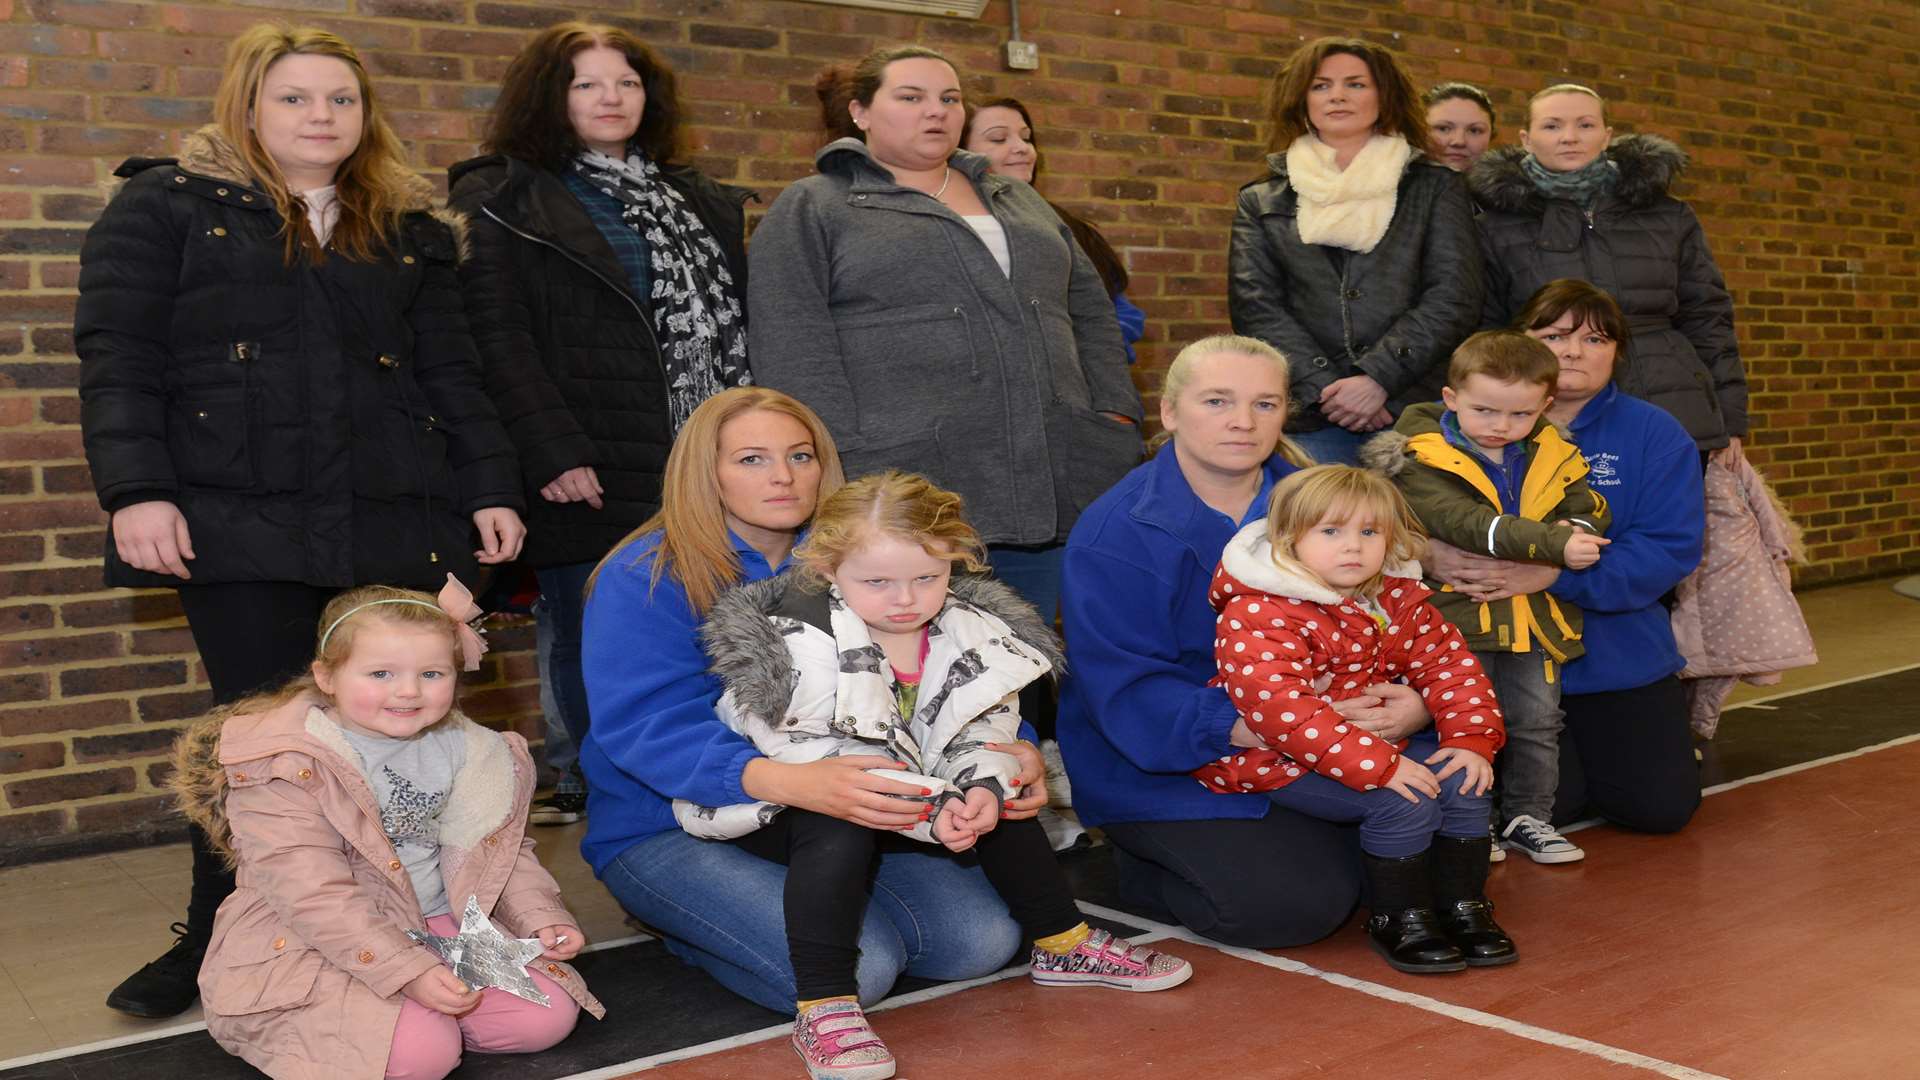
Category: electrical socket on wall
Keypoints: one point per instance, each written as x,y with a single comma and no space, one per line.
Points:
1023,55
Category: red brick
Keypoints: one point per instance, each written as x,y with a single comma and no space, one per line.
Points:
102,141
86,544
119,678
164,708
96,75
166,642
26,686
132,815
42,651
48,513
123,608
69,786
16,550
77,579
32,757
19,829
144,743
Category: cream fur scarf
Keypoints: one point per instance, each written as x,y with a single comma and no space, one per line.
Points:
1352,208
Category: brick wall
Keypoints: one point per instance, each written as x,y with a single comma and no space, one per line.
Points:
1801,119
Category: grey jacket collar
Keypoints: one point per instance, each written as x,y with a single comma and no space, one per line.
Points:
850,157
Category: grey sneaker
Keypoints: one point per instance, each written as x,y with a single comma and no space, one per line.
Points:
1538,841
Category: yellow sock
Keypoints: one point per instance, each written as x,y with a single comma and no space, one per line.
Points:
1065,941
805,1005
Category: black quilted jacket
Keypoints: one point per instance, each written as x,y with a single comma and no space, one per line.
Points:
1643,246
321,424
571,357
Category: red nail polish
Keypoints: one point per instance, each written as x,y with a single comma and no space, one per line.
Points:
926,791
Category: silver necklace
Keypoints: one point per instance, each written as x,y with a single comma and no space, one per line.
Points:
946,174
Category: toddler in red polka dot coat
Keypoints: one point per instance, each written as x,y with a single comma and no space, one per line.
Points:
1316,604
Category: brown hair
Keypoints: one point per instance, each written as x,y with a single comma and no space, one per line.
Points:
839,86
373,185
902,505
1448,91
1507,356
1589,305
1106,261
692,522
1400,110
1174,382
1567,88
529,119
1310,496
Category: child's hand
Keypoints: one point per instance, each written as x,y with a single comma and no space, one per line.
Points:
948,830
1410,777
562,940
442,991
1478,770
1583,550
980,811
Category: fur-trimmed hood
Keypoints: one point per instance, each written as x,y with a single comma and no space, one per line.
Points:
753,661
1387,454
1648,164
482,797
1248,557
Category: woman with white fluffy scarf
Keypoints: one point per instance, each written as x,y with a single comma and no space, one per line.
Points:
1357,257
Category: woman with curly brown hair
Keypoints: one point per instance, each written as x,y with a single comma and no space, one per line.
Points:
606,289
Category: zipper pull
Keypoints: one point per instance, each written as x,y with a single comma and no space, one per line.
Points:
1589,216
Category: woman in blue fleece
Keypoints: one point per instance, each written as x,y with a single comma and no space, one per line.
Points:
1138,711
741,484
1626,752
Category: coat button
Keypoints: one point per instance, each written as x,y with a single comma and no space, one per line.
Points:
218,231
219,191
491,840
1353,294
408,259
859,198
306,774
246,198
394,865
239,776
387,360
179,179
554,970
279,943
365,957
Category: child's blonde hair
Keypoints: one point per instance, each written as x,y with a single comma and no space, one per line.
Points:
1341,492
905,506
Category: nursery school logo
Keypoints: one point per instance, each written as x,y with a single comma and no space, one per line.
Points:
1603,469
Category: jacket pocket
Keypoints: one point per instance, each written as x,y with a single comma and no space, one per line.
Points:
260,969
1096,452
207,437
404,455
899,360
1061,353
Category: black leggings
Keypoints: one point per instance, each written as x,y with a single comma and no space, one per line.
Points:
1627,756
830,872
251,636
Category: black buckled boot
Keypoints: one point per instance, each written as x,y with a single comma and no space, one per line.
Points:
1403,926
1459,889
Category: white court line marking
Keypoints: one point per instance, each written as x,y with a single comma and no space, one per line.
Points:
1788,770
749,1038
1819,686
103,1044
1492,1021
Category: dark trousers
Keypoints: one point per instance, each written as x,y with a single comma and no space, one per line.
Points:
252,636
830,869
1627,756
563,591
1264,883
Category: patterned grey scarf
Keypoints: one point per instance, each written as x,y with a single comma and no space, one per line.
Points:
696,310
1582,186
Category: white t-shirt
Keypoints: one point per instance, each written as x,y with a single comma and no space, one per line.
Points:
323,212
994,235
411,778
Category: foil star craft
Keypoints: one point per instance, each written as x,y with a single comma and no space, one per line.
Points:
482,956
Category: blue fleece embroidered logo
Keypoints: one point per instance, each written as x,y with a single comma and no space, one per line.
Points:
1603,469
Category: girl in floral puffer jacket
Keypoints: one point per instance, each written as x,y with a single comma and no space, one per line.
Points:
1316,603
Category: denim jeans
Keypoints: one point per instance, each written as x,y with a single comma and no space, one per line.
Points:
559,613
561,753
1530,762
1332,445
1391,826
720,908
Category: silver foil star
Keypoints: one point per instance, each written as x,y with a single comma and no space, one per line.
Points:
483,956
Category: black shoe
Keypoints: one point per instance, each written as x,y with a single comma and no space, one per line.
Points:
1403,927
167,986
1469,925
560,808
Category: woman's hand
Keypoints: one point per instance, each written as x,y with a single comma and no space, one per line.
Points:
1032,780
1478,771
152,536
839,787
1729,455
1355,402
561,940
1484,580
1389,711
579,484
501,534
442,991
1242,736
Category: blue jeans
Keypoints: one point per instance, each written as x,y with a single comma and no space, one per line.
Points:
561,608
1332,445
721,909
1390,826
561,753
1033,572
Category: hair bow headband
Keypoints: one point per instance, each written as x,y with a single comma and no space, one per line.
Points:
455,602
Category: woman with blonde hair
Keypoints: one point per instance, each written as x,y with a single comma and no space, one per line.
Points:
280,398
1138,711
1357,258
741,486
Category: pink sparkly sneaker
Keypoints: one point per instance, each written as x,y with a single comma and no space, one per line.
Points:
1105,960
835,1042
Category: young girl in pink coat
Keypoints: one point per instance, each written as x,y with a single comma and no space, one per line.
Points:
357,805
1318,602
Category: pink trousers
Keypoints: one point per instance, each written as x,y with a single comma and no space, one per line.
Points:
427,1044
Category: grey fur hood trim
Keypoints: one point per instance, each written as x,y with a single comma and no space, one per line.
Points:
1385,453
1648,164
751,659
207,152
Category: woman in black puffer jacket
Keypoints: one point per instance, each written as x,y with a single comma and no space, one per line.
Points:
1568,203
606,292
279,395
1356,258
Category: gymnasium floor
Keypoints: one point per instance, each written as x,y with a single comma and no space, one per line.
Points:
1772,938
